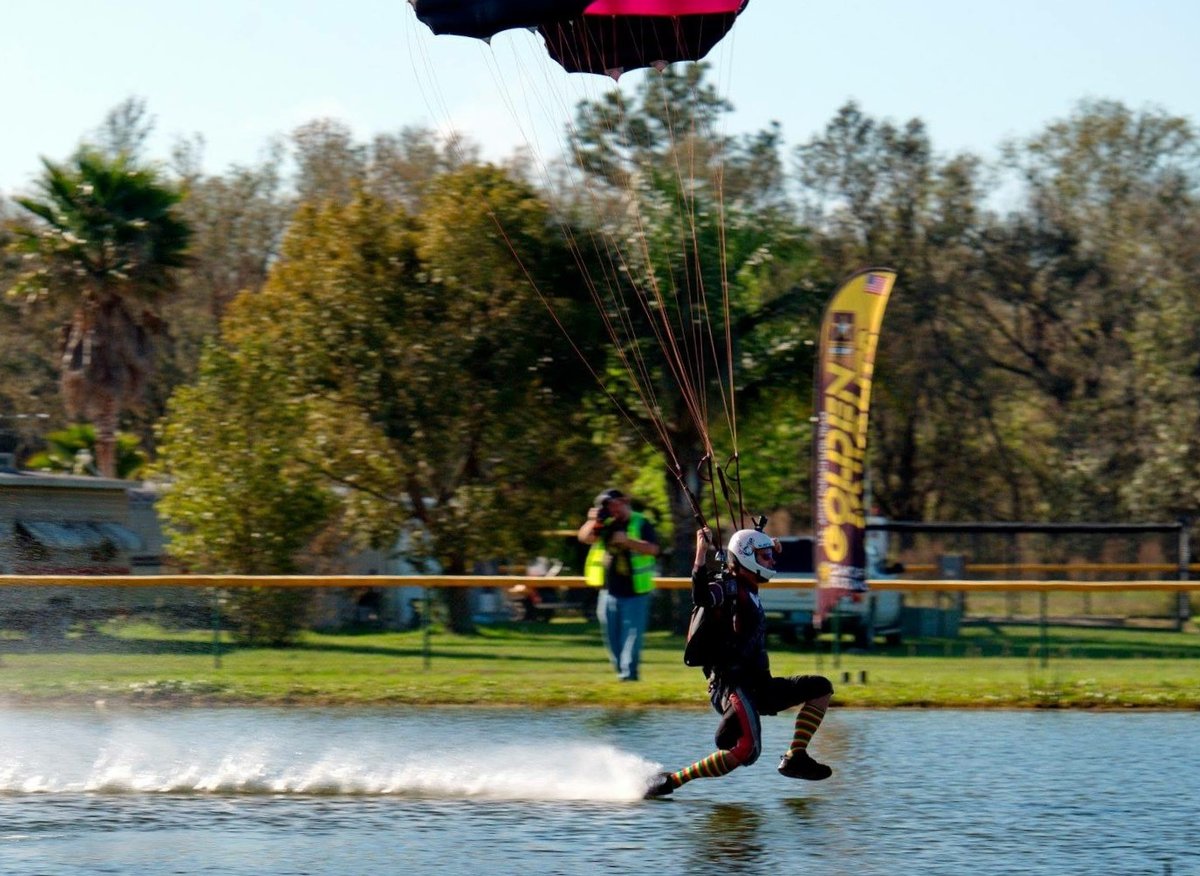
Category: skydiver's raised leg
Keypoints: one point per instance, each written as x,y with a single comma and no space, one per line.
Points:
739,737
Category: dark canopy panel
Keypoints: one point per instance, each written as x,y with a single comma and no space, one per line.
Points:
485,18
614,43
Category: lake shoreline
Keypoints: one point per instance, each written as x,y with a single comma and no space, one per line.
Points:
108,700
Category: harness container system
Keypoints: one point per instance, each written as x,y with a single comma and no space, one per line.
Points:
710,628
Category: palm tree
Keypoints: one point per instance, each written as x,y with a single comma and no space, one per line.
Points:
108,242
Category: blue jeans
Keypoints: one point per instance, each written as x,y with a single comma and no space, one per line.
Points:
623,622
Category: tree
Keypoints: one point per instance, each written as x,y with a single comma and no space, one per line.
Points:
942,442
330,165
432,385
238,220
403,166
107,240
1081,294
701,273
28,382
239,500
125,130
1023,361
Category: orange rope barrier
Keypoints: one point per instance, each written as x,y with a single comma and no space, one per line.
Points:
510,581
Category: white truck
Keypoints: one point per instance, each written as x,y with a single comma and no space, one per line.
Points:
790,609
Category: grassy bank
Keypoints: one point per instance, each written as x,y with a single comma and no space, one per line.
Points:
563,664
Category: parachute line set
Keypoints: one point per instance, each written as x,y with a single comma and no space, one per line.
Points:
609,38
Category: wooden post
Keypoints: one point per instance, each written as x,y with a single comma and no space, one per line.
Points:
216,628
1183,598
837,635
1045,633
426,626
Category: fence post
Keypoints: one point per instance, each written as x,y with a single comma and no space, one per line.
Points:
1183,608
837,634
1044,631
427,623
216,628
951,567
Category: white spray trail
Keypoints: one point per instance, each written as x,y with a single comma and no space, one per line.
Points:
132,760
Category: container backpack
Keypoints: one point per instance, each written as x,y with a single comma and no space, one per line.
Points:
710,629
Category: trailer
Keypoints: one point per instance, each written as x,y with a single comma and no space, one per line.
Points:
790,609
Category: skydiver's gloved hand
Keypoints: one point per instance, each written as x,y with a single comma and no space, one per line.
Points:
703,541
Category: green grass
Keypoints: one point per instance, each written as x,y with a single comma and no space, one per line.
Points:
563,664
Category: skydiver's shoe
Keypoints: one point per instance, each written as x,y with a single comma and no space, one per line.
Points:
660,785
798,765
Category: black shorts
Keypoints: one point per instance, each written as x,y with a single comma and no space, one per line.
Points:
776,694
741,705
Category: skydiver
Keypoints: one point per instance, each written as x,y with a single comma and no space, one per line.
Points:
740,685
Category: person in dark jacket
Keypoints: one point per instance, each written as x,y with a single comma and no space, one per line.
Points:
740,685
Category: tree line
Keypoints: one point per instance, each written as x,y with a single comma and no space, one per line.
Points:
397,331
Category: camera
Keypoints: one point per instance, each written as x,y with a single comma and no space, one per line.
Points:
604,512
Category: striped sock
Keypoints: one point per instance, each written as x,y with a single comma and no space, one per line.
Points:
719,763
808,719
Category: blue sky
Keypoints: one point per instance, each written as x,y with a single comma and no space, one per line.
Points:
240,71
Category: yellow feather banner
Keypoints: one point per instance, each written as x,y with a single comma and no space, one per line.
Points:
841,402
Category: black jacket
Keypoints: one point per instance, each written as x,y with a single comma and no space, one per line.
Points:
738,613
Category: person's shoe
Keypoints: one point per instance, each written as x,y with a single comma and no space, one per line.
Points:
799,765
660,785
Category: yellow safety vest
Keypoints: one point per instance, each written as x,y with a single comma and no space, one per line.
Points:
641,565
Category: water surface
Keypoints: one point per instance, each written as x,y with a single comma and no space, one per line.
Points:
453,791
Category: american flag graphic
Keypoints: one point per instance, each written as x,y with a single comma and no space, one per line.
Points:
876,284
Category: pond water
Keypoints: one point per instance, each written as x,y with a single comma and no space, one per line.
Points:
312,791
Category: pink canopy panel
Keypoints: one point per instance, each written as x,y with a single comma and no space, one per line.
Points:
663,7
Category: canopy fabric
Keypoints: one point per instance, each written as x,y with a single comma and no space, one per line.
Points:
663,7
80,535
595,36
122,537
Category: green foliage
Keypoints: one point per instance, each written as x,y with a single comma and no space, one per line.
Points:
240,501
1034,365
405,357
106,241
709,314
28,380
64,446
267,615
106,226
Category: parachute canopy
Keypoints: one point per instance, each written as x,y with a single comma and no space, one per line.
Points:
595,36
485,18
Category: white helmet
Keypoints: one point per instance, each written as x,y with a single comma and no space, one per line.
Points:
742,547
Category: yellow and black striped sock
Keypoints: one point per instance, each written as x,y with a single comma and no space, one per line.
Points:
719,763
808,719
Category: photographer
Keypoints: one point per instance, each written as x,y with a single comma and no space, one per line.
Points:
621,562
